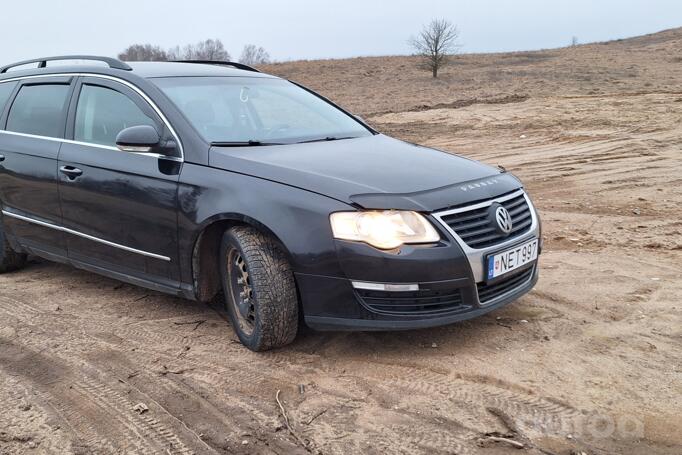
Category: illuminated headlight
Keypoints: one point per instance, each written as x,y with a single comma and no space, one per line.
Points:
383,229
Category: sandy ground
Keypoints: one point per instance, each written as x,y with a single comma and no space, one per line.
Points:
589,362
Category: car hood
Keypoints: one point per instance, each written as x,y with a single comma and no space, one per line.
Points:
374,172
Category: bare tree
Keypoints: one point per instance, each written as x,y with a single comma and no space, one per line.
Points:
574,41
254,55
204,50
435,43
143,53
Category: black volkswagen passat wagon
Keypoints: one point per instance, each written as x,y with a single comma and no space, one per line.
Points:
196,178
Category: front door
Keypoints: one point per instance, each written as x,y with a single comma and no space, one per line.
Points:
119,208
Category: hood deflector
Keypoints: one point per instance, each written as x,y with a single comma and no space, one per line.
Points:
442,198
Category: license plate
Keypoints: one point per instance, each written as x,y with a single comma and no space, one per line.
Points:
512,259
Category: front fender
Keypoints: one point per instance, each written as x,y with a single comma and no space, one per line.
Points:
299,219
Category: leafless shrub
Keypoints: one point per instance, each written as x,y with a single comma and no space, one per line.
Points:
435,43
254,55
143,53
175,53
574,41
203,50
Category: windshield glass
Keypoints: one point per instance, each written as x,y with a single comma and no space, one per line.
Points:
257,111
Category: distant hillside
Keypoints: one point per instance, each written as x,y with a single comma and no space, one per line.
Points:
370,85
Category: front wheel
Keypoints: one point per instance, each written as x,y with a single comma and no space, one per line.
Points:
260,293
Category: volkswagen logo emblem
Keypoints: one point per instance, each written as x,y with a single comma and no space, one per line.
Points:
504,220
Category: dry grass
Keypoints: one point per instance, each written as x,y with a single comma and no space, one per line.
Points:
373,85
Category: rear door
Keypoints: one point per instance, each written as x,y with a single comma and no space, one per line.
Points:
120,208
31,133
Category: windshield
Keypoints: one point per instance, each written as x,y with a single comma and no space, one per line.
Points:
257,111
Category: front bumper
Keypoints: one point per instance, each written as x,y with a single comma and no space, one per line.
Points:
336,292
439,284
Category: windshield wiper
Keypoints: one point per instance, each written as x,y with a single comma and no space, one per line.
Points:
250,143
254,143
327,139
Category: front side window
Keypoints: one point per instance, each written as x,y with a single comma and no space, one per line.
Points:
102,113
243,110
39,110
5,92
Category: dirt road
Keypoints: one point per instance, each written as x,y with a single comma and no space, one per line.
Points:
590,361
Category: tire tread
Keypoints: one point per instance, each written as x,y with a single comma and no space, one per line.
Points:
273,286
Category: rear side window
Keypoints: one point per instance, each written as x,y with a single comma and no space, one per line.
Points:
39,110
102,113
5,92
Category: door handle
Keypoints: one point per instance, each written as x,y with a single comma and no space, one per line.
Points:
70,172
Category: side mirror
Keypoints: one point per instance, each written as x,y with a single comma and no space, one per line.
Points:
139,139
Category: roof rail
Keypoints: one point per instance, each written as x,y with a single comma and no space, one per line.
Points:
42,62
240,66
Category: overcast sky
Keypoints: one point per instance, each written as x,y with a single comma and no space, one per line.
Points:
299,29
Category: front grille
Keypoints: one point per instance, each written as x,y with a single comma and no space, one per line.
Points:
412,303
489,292
478,229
